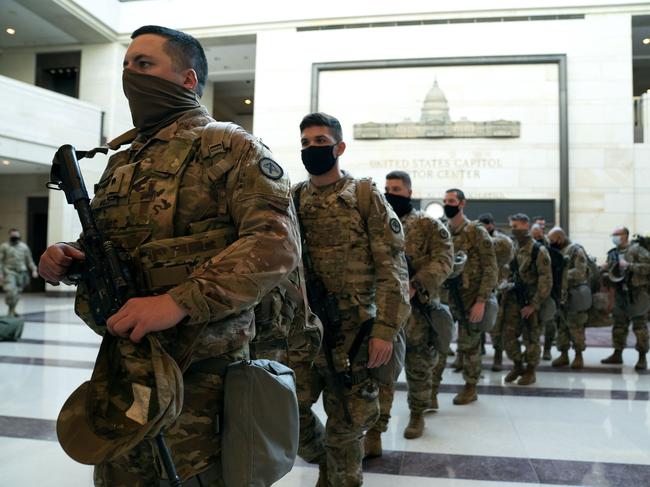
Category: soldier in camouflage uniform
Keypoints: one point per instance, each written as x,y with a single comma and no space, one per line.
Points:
180,181
572,323
479,278
430,251
505,251
16,267
520,315
356,245
632,262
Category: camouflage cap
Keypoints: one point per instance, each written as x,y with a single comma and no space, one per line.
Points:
135,391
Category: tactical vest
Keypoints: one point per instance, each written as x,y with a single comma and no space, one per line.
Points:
337,234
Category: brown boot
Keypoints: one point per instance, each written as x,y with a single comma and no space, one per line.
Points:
415,427
642,364
547,351
497,365
467,395
577,363
434,398
372,444
516,371
528,378
322,475
615,358
562,360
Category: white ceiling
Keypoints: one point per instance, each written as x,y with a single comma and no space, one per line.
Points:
17,166
31,29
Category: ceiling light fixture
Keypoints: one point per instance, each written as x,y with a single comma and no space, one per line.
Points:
5,162
646,41
11,31
248,101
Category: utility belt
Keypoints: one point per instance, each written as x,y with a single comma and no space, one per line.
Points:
163,264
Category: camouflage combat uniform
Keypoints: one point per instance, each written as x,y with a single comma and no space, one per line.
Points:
16,266
479,278
572,324
636,279
228,199
504,249
429,246
362,263
538,282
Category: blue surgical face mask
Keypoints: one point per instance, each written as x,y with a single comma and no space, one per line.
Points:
616,240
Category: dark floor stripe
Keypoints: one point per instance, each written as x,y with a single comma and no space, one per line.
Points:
63,316
62,343
47,362
31,428
506,469
617,370
515,390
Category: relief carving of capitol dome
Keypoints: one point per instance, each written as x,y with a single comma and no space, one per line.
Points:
435,122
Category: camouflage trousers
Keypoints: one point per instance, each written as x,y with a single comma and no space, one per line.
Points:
338,444
496,335
515,328
469,351
438,369
622,326
552,329
571,330
193,439
13,285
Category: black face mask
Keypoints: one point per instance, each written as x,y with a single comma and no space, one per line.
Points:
318,159
451,211
14,240
556,245
401,204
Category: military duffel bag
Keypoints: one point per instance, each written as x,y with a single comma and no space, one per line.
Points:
11,328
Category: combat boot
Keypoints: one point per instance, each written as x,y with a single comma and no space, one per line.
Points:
577,363
415,427
516,371
642,364
528,377
434,398
615,358
547,351
562,360
467,395
497,365
372,444
322,475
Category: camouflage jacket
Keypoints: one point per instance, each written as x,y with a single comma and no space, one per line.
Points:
638,273
362,262
431,251
576,269
229,199
504,249
536,276
15,258
480,272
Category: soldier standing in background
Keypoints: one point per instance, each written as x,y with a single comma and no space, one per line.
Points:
355,243
16,268
504,251
630,263
572,323
467,300
531,285
430,253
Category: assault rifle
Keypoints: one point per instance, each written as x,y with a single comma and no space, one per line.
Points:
106,270
425,309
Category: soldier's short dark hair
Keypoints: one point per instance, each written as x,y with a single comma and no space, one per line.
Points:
321,119
459,193
626,231
183,49
539,217
519,217
486,218
402,176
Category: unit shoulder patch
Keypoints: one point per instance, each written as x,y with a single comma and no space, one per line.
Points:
270,168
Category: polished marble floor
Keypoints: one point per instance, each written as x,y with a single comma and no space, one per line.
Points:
584,428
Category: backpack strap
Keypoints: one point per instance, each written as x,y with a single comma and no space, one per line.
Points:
364,197
216,138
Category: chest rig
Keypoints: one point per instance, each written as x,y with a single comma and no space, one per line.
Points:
165,203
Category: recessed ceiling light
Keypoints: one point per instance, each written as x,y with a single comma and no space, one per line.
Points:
5,162
11,31
646,41
248,101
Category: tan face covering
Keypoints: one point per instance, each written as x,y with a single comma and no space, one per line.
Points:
155,102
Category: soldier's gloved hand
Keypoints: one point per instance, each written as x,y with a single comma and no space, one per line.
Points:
379,352
527,311
56,260
476,312
140,316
